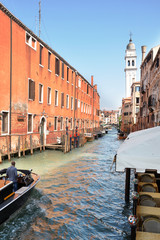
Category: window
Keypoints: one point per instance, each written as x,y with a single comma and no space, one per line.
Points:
49,60
87,88
56,98
31,41
72,77
49,95
79,103
34,43
125,113
40,54
5,123
79,83
137,89
81,106
67,101
137,109
62,70
132,62
40,93
61,126
71,103
57,66
62,100
128,63
137,100
55,123
71,123
67,74
30,123
66,122
75,103
31,89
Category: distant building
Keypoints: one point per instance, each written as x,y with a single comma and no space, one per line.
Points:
126,115
111,116
135,104
130,67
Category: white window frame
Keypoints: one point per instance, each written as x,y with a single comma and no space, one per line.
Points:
67,101
84,105
71,103
56,99
30,41
61,124
79,83
28,89
68,74
49,102
41,101
81,106
56,123
31,124
79,103
5,133
41,55
49,53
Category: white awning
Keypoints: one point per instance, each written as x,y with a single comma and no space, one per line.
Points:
141,151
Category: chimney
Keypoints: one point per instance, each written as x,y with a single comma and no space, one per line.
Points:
92,80
143,52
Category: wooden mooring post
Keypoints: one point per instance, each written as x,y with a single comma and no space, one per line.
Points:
8,148
19,146
31,145
127,184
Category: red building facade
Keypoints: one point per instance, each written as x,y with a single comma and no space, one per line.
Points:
40,92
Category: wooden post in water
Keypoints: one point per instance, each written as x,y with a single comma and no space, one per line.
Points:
43,143
31,146
0,158
8,148
127,184
23,147
19,152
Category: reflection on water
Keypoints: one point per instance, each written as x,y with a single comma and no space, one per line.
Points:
78,196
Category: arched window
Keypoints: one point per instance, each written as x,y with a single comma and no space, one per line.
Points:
128,63
132,62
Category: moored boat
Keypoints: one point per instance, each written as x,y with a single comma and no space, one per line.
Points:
11,201
122,136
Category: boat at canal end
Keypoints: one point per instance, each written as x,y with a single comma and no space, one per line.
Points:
11,201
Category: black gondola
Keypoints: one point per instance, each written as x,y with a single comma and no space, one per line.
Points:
11,201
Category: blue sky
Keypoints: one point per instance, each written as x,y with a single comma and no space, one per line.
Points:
92,36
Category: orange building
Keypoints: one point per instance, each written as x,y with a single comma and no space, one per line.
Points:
40,92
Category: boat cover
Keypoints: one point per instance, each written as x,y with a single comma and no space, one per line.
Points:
140,151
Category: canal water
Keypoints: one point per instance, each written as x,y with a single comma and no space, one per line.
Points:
78,197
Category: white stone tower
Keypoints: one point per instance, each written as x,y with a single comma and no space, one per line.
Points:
130,69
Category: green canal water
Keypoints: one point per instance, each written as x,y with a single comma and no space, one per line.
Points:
78,197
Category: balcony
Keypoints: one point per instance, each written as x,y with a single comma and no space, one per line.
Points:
152,102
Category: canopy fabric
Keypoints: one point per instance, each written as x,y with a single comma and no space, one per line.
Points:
140,150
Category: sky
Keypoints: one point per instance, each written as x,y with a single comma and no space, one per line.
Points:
92,35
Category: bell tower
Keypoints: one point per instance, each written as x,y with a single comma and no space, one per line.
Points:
130,67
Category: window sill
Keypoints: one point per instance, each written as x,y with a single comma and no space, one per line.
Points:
62,78
49,104
67,81
40,102
4,134
57,75
41,65
49,70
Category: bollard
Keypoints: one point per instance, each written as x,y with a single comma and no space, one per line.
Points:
135,197
133,220
70,142
135,181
